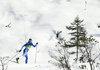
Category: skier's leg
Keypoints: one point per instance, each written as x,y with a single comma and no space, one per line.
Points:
25,51
26,58
23,54
20,56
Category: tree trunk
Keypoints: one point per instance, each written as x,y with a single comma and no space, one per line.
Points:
91,66
77,42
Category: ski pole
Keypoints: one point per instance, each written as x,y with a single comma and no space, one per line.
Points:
35,55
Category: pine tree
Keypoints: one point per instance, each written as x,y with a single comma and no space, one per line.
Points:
78,34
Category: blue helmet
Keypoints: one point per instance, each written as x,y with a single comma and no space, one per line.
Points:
30,39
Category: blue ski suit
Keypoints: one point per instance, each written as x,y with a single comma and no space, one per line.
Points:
25,51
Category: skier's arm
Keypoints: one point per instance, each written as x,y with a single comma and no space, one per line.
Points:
22,47
35,44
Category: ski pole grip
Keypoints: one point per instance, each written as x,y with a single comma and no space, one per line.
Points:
19,50
37,43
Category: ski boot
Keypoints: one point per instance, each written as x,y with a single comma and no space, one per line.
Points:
17,60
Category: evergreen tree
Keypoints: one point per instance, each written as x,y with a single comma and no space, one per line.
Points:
78,34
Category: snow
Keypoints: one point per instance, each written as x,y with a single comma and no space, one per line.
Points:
32,67
37,19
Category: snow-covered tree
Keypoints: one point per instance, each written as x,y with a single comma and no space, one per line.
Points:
78,34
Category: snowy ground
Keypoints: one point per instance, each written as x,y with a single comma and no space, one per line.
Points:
38,19
32,67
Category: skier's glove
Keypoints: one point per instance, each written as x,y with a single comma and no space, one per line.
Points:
19,50
37,43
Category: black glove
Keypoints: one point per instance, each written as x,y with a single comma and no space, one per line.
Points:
19,50
37,43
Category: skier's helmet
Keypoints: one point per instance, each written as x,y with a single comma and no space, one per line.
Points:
30,39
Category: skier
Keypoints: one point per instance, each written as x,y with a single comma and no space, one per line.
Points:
25,51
